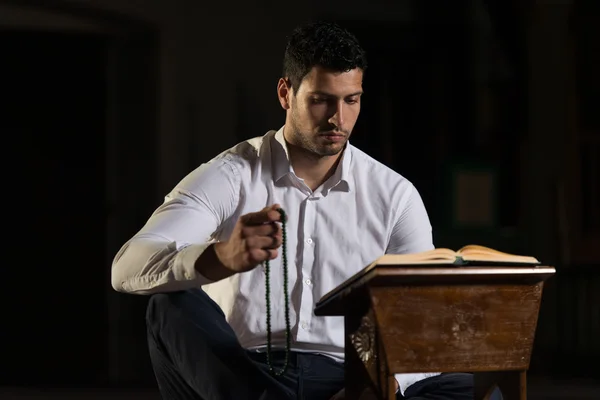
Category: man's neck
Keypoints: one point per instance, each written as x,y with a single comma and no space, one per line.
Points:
314,170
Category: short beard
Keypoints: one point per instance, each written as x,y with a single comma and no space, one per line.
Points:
303,140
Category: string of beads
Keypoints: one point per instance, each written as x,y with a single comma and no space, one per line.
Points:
286,300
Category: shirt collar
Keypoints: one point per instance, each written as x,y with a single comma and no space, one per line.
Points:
282,167
281,157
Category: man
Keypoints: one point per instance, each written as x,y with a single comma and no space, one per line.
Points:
198,253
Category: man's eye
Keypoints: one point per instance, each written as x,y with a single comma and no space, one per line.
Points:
318,100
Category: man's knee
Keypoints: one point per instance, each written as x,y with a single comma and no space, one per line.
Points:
458,380
192,305
159,305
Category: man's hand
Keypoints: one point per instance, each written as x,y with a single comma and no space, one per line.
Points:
255,239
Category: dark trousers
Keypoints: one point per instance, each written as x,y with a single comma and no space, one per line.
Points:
196,356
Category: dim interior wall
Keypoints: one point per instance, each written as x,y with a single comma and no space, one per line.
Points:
209,59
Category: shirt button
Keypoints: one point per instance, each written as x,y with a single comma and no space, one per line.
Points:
308,281
309,241
304,325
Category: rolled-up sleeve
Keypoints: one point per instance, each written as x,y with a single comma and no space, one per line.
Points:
161,257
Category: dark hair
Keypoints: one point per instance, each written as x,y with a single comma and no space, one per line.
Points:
323,44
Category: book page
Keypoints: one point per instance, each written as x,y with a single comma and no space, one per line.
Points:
482,253
435,256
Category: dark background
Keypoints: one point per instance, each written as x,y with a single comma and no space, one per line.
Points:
105,105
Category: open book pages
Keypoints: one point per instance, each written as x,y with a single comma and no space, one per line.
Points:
469,254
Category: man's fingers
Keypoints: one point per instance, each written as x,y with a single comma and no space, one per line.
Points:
272,253
269,229
257,256
266,215
263,242
261,235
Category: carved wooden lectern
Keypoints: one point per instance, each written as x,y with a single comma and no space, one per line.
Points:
403,319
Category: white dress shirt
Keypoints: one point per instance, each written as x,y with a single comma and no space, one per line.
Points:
363,211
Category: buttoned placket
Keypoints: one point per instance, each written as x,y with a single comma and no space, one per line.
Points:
310,205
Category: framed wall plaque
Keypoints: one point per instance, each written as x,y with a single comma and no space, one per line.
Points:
472,190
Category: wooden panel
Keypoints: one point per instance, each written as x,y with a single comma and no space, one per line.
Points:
365,360
457,328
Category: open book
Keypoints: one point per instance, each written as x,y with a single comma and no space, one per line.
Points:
468,255
471,255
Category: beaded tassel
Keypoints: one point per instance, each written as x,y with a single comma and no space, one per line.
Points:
288,336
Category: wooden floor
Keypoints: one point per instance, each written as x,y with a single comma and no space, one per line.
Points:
539,389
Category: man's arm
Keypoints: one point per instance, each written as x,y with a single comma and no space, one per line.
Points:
174,250
412,229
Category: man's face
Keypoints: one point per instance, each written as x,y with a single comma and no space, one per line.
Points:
323,110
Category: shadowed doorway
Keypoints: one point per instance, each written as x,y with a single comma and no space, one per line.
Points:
79,119
54,107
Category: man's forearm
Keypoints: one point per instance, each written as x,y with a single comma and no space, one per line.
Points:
148,265
209,266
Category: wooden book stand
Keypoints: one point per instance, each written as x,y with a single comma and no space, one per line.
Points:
405,319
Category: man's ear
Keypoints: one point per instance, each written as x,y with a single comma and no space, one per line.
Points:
284,93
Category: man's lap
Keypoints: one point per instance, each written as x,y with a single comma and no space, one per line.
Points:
309,375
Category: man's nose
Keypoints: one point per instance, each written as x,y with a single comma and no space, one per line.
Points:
337,118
